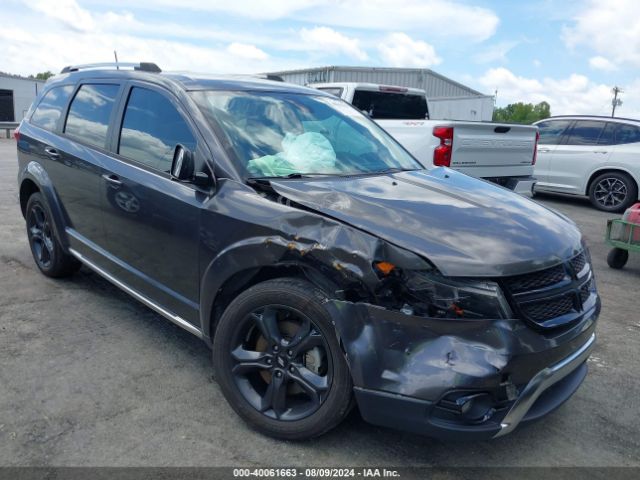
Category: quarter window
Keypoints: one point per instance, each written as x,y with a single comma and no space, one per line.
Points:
151,129
89,113
49,110
627,134
551,131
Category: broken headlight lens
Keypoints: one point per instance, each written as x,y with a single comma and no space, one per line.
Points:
444,297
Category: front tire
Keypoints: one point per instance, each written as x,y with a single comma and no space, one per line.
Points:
613,192
45,248
278,361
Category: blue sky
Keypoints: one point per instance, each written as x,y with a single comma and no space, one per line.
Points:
569,53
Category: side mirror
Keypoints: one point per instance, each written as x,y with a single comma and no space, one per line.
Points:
182,165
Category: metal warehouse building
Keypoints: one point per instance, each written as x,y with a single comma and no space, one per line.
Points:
16,95
447,98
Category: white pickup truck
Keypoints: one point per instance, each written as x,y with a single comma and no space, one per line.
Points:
502,153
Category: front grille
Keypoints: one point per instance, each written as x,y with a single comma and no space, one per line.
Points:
578,262
554,296
548,309
536,280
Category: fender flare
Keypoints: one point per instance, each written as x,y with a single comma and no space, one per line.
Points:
37,174
252,254
601,168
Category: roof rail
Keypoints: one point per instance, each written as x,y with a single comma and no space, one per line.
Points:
141,66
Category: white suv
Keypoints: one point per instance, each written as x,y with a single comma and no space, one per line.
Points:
588,155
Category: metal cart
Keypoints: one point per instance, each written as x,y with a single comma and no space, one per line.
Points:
624,237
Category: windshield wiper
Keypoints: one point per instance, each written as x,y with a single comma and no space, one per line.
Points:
395,170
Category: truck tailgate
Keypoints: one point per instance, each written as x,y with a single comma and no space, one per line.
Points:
486,145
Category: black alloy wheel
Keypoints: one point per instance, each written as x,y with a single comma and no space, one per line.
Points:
47,253
278,361
281,364
40,236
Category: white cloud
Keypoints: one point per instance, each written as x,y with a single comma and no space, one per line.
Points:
575,94
245,50
609,28
601,63
327,39
444,18
67,12
495,53
400,50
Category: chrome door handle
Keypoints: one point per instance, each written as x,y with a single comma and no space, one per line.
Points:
543,150
112,180
52,152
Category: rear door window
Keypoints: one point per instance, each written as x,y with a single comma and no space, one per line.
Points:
49,110
551,131
89,113
627,134
388,105
151,129
607,135
585,132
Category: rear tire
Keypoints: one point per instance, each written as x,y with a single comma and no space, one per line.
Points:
45,248
278,361
613,192
617,258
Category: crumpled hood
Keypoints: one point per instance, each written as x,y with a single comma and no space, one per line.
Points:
464,226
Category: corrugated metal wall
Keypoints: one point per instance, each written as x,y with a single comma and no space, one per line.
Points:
24,92
434,84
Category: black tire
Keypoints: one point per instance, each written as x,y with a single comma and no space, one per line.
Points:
613,192
41,232
240,331
617,258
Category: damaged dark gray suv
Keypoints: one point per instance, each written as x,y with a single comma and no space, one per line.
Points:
322,263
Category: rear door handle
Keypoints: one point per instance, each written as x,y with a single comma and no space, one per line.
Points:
52,152
112,179
543,150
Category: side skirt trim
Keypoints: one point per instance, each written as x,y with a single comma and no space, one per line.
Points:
138,296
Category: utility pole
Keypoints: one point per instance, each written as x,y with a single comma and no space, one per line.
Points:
616,102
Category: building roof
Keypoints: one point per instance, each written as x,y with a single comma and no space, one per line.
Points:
424,71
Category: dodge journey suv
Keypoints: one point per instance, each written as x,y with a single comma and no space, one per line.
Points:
323,265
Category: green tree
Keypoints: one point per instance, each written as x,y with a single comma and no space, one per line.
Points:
43,75
520,112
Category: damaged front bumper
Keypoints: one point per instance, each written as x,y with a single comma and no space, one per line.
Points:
455,378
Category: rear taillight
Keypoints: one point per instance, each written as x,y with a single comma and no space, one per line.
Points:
442,153
16,133
535,148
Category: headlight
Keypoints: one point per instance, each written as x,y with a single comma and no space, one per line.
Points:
444,297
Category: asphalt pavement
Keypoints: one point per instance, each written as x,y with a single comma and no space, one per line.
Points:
91,377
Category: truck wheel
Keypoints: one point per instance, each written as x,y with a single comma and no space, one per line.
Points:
617,258
49,256
278,361
613,192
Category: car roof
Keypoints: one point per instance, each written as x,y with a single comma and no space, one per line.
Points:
186,80
590,117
